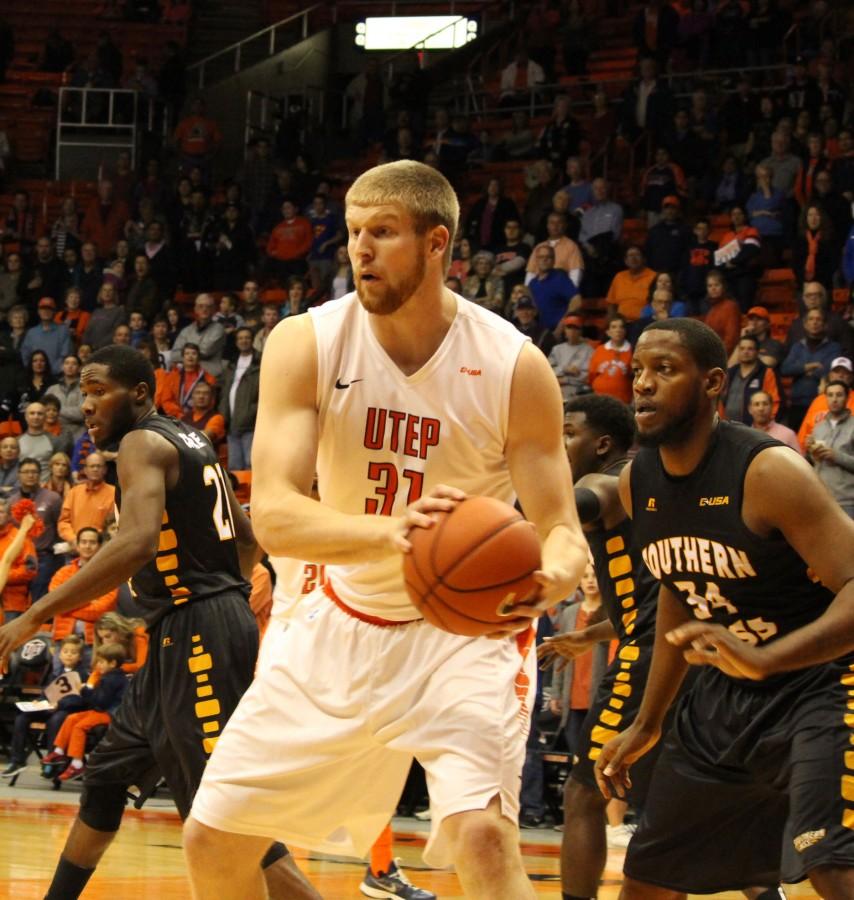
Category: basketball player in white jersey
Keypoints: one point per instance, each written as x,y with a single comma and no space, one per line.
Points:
404,398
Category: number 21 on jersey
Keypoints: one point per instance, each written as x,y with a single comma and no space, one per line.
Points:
221,511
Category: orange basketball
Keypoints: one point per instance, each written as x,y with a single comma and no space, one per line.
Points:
475,559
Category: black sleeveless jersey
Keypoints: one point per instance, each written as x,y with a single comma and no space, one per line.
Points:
197,553
629,592
693,539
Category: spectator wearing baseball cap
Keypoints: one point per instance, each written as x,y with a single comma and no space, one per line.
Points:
841,369
758,324
570,360
525,319
52,339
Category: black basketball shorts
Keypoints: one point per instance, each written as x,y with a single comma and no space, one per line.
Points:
201,659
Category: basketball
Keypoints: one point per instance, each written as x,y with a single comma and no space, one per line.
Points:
475,559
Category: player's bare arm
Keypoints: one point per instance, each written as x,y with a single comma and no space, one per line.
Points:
667,671
286,521
560,649
248,551
783,494
597,499
147,465
540,473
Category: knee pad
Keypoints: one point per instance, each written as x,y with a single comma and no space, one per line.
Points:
276,852
102,806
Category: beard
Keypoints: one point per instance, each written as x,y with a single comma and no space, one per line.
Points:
388,298
673,433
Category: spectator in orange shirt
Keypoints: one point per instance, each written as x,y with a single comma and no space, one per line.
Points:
74,318
198,138
611,363
724,315
567,253
83,618
203,414
289,245
15,596
175,396
628,292
88,503
105,220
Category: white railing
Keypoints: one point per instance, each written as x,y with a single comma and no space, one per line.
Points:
100,118
238,50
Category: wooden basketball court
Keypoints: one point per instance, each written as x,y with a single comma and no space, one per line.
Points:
146,861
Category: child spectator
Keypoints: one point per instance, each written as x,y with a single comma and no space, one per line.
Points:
69,658
138,329
610,365
99,698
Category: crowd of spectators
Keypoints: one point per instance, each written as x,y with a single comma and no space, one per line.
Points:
194,265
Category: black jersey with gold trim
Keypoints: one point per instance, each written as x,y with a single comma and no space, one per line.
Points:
693,539
197,552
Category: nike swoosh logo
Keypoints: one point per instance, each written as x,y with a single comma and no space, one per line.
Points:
343,386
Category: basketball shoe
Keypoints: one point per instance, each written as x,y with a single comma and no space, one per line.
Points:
392,884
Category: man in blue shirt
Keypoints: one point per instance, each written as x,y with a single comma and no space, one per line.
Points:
54,340
553,291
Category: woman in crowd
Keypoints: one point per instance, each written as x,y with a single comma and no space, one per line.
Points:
342,280
461,264
113,628
814,255
37,380
766,209
59,479
483,286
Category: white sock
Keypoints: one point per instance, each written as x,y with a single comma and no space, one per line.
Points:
76,763
58,750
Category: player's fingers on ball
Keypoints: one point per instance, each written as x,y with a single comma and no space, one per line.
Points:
416,519
445,490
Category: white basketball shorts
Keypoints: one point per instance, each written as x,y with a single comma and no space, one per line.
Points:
318,751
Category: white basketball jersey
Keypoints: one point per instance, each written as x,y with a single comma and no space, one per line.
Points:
386,439
295,579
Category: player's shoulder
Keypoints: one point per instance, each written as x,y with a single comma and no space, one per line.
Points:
478,319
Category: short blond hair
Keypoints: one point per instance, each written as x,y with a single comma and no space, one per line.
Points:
424,193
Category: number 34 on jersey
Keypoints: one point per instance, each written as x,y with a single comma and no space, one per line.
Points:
753,631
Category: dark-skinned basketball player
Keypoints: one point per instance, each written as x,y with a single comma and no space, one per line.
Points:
183,540
755,782
599,432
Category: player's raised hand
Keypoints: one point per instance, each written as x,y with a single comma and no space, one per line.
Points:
557,651
442,498
616,757
708,644
12,635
